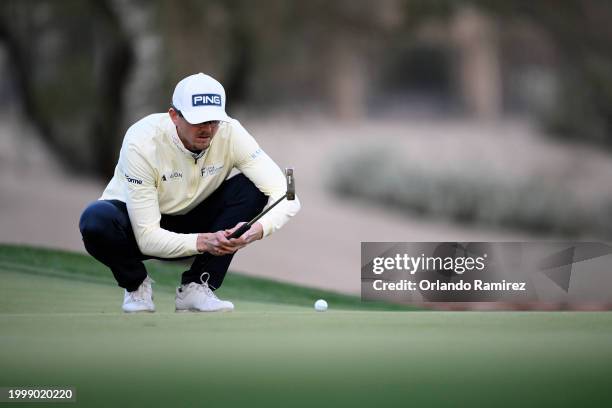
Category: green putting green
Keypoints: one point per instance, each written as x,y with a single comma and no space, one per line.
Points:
61,325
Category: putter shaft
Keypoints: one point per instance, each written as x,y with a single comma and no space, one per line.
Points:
244,227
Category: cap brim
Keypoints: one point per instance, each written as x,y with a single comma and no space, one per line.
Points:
201,115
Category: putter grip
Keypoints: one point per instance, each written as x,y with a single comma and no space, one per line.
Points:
243,228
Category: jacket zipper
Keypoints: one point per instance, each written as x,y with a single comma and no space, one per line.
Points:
194,181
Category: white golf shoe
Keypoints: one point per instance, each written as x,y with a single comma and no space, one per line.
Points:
199,297
140,300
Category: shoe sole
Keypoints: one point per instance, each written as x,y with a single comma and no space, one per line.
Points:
201,311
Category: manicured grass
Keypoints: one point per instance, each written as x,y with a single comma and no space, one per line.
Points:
83,268
60,324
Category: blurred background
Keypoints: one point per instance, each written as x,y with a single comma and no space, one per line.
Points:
406,120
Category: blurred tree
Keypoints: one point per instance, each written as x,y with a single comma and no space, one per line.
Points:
70,60
214,37
581,31
86,69
144,91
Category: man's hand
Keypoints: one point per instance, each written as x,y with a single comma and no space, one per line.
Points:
216,243
253,234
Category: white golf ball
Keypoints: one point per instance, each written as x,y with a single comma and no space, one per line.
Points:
320,305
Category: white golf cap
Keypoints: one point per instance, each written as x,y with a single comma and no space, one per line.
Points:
200,98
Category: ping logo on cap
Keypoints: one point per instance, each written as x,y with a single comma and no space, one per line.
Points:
206,100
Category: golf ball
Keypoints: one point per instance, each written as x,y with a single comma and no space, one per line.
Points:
320,305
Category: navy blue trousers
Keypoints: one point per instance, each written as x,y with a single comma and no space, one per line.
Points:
108,235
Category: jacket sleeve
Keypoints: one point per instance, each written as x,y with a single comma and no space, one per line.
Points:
143,209
254,163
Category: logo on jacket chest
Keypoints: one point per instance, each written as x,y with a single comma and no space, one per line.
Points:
172,175
211,170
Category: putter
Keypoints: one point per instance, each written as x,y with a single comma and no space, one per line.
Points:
289,195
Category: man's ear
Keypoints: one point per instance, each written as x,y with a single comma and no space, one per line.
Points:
173,115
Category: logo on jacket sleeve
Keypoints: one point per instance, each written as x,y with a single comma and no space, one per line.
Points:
206,100
132,179
256,153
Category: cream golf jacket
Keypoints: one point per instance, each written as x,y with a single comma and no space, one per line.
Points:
157,175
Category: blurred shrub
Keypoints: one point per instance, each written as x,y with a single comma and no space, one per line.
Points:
466,191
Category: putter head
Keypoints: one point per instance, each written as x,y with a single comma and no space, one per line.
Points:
290,183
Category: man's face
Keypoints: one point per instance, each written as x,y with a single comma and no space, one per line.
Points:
194,137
